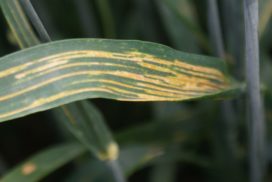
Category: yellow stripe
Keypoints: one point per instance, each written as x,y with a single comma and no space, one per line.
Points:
46,100
162,92
57,66
43,101
49,81
40,68
214,73
132,56
180,81
141,57
13,70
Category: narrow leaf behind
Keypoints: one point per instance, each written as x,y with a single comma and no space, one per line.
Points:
87,124
18,23
44,163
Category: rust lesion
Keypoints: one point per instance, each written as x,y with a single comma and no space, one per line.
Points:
28,168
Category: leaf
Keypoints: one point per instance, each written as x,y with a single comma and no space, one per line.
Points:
164,169
132,158
155,135
107,19
180,24
61,72
87,124
44,163
18,23
82,119
32,37
180,20
86,17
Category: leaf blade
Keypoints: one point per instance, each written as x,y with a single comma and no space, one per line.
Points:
61,72
87,124
44,163
18,23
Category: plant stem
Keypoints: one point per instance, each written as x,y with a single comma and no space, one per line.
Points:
254,102
34,18
116,170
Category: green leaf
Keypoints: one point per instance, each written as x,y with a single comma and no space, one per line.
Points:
132,158
86,17
180,23
180,20
82,119
44,163
133,155
87,124
107,20
18,23
61,72
164,169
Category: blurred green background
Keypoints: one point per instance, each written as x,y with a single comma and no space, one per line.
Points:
189,141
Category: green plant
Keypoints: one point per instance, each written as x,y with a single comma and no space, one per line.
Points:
199,124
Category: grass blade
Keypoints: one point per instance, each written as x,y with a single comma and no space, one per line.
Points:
86,17
92,68
107,19
89,129
18,23
86,123
88,126
185,19
44,163
176,24
70,112
132,159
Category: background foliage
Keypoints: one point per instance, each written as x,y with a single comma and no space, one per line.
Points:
159,141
